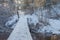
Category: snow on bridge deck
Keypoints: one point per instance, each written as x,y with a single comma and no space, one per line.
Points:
21,30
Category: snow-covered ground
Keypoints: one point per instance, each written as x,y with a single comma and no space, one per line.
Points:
21,30
54,27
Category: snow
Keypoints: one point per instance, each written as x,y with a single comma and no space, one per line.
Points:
32,19
54,27
11,20
55,10
21,12
21,30
55,24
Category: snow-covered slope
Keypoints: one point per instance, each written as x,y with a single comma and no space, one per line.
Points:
21,30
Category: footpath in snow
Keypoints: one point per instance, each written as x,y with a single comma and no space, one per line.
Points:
21,30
